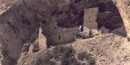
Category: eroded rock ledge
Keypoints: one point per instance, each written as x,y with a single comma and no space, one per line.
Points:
124,8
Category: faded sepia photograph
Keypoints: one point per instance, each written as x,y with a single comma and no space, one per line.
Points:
64,32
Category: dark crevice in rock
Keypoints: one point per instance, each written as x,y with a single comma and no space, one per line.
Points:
73,10
109,16
101,7
56,12
13,28
15,15
77,1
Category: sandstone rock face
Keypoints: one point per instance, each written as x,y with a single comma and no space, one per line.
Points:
107,49
41,40
15,29
124,9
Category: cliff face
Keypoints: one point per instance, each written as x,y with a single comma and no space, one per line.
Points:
124,9
18,26
19,19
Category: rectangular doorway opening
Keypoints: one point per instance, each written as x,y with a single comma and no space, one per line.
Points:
59,37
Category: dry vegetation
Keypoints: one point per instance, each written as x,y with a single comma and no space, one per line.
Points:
66,56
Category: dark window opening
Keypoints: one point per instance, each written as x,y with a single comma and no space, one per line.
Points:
77,1
82,29
43,22
59,37
54,27
101,7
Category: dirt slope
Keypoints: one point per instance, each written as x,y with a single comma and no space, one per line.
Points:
106,49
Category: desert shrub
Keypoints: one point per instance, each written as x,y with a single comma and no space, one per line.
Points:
92,61
61,51
53,55
45,61
69,61
73,61
58,50
84,55
83,64
68,52
66,55
64,61
4,52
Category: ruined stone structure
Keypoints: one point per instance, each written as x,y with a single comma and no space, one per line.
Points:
56,35
90,18
104,21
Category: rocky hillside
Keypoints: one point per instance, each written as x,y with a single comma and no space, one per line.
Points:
105,49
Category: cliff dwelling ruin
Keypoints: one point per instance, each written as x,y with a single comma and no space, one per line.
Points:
56,35
94,18
90,17
101,17
104,18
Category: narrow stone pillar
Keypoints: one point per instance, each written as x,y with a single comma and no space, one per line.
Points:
41,39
